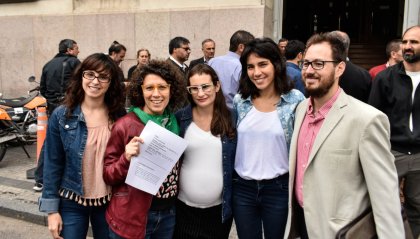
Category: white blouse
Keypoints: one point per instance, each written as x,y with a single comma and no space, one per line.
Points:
201,175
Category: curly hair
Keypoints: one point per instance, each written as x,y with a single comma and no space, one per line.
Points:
265,48
114,97
221,123
169,73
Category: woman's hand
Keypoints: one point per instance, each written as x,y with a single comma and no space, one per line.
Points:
55,225
133,148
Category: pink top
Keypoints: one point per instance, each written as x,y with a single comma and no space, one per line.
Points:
308,131
94,186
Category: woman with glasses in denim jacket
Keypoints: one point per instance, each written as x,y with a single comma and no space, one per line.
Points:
205,190
74,190
265,108
154,93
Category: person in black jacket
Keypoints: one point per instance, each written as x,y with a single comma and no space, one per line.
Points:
54,80
57,72
396,92
355,81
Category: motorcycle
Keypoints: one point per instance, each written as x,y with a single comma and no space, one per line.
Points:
18,119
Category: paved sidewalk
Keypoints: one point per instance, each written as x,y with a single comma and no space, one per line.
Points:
17,198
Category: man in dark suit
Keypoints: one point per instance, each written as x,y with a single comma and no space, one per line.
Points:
208,46
355,80
179,51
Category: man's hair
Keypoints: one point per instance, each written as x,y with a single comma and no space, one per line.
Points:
393,45
282,39
338,47
176,43
205,41
116,47
408,29
293,48
344,37
65,44
239,37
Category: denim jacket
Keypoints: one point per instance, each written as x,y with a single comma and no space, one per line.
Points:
64,147
184,118
285,110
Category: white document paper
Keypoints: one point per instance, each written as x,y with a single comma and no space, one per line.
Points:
158,155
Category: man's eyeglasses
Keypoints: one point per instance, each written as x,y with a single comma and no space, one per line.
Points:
194,89
159,87
316,65
90,75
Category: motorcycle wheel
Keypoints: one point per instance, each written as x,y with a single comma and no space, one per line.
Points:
3,148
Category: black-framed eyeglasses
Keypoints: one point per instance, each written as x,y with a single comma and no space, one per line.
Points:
91,75
316,64
194,89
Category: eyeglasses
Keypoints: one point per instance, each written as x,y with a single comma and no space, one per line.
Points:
159,87
186,48
90,75
316,65
194,89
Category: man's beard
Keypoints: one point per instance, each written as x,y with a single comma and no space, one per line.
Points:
411,58
323,87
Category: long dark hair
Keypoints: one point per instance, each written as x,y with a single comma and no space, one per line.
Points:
265,48
114,97
221,123
169,73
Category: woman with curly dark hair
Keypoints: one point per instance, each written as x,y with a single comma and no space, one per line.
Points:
74,190
155,93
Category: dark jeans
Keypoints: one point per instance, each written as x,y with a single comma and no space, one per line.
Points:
160,224
408,168
260,204
300,222
76,219
39,171
113,235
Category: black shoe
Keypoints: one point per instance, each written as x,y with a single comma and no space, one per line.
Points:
38,187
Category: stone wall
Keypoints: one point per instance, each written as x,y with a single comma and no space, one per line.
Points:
31,31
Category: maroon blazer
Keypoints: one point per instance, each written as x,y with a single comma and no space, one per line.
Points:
127,212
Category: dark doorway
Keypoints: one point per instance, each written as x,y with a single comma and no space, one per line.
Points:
366,21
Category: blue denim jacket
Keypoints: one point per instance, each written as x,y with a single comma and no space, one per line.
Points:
184,118
285,110
64,147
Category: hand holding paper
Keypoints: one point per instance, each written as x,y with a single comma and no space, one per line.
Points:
133,147
158,155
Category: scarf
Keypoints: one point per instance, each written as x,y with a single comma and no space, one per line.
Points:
166,120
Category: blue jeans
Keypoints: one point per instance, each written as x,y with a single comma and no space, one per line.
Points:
76,220
113,235
160,224
258,204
